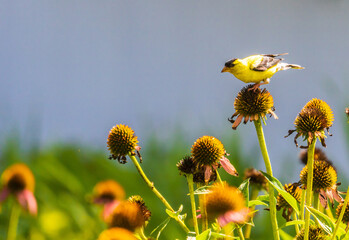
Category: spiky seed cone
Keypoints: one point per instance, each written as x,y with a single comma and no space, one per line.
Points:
325,176
294,190
108,190
315,233
257,179
346,213
207,150
186,165
126,215
116,234
121,140
222,199
319,155
18,177
140,202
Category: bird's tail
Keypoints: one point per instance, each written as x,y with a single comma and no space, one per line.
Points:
285,66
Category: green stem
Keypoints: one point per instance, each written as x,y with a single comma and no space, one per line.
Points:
301,217
13,222
141,234
295,218
156,192
204,220
192,201
254,195
219,177
316,200
310,165
272,200
241,235
339,220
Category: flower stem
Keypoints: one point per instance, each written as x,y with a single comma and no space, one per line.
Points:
339,220
316,200
301,217
254,195
310,165
219,177
156,192
13,222
241,235
295,218
192,201
204,220
272,200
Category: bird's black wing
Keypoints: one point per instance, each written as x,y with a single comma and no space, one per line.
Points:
266,63
274,55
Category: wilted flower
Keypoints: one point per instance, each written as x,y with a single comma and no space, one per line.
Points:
186,165
257,179
19,181
296,192
126,215
227,204
121,142
319,155
324,181
109,194
140,202
345,218
315,233
208,152
252,105
199,176
116,234
315,117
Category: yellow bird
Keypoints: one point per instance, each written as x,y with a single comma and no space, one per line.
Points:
257,68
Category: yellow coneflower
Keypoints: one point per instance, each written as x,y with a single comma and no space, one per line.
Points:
18,180
116,234
227,204
324,181
208,152
345,218
319,155
252,105
315,233
296,192
315,117
108,193
121,142
140,202
257,179
126,215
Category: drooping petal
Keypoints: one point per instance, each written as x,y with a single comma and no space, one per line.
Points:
208,173
109,208
233,216
237,121
27,200
228,167
4,194
323,198
336,195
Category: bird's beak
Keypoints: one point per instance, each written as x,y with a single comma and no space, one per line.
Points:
225,69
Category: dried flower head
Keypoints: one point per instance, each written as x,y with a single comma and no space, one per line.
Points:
315,117
126,215
296,192
109,194
18,180
227,204
116,234
324,181
257,179
140,202
186,165
319,155
121,142
315,233
252,105
345,218
208,152
199,176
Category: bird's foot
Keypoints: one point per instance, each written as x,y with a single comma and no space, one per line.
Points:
254,87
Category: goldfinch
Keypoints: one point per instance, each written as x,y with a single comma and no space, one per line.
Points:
257,68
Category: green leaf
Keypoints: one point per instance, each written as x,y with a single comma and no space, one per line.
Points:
244,188
264,198
176,214
161,227
221,235
285,236
294,222
278,186
256,202
205,235
324,221
202,190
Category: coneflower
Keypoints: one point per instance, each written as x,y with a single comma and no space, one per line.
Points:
319,155
116,234
140,202
296,192
257,179
315,233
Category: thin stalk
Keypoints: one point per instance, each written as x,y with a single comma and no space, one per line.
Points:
254,195
294,215
339,220
192,201
241,235
156,192
316,200
219,177
204,220
301,217
329,213
141,234
310,164
13,222
272,200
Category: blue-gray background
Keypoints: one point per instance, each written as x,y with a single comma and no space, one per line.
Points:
70,70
